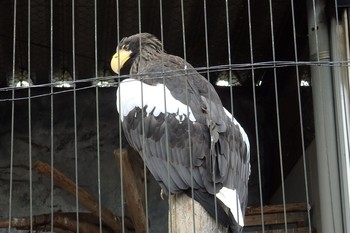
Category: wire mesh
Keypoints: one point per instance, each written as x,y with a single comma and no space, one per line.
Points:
76,129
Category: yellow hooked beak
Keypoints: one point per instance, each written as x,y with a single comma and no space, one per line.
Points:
119,59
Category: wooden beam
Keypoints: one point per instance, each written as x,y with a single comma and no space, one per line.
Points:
274,219
290,230
182,219
268,209
133,191
296,215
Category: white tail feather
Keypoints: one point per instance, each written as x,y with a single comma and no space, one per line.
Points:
230,198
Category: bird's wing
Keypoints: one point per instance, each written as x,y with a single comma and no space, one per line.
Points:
168,137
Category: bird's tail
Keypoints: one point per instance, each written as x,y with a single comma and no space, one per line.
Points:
225,218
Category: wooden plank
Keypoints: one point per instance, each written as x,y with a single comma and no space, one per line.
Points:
290,230
277,218
267,209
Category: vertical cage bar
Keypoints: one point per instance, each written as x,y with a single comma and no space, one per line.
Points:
120,131
75,119
51,117
255,116
143,121
165,110
230,81
229,55
278,115
97,120
188,113
301,116
209,97
12,111
30,122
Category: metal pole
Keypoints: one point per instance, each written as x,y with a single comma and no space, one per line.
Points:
324,112
340,52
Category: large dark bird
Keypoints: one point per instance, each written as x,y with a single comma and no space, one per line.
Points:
174,118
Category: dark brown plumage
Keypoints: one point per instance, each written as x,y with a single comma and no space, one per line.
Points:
174,118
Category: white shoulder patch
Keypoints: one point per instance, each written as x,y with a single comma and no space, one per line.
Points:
230,198
133,93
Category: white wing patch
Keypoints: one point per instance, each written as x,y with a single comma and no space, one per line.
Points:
231,199
134,93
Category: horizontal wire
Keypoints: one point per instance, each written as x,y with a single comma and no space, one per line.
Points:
201,70
236,67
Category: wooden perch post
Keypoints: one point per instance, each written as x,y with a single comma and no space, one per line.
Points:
84,197
180,211
181,216
134,200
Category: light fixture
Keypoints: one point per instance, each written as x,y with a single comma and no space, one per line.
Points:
20,79
102,80
259,83
305,78
224,80
222,83
304,83
63,79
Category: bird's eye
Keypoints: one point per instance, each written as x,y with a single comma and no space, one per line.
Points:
124,47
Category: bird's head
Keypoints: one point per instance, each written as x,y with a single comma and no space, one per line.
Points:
143,46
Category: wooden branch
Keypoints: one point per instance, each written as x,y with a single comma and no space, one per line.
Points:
133,198
24,222
59,230
71,225
64,221
181,216
48,229
84,197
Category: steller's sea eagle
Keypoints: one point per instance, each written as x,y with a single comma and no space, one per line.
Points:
175,119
